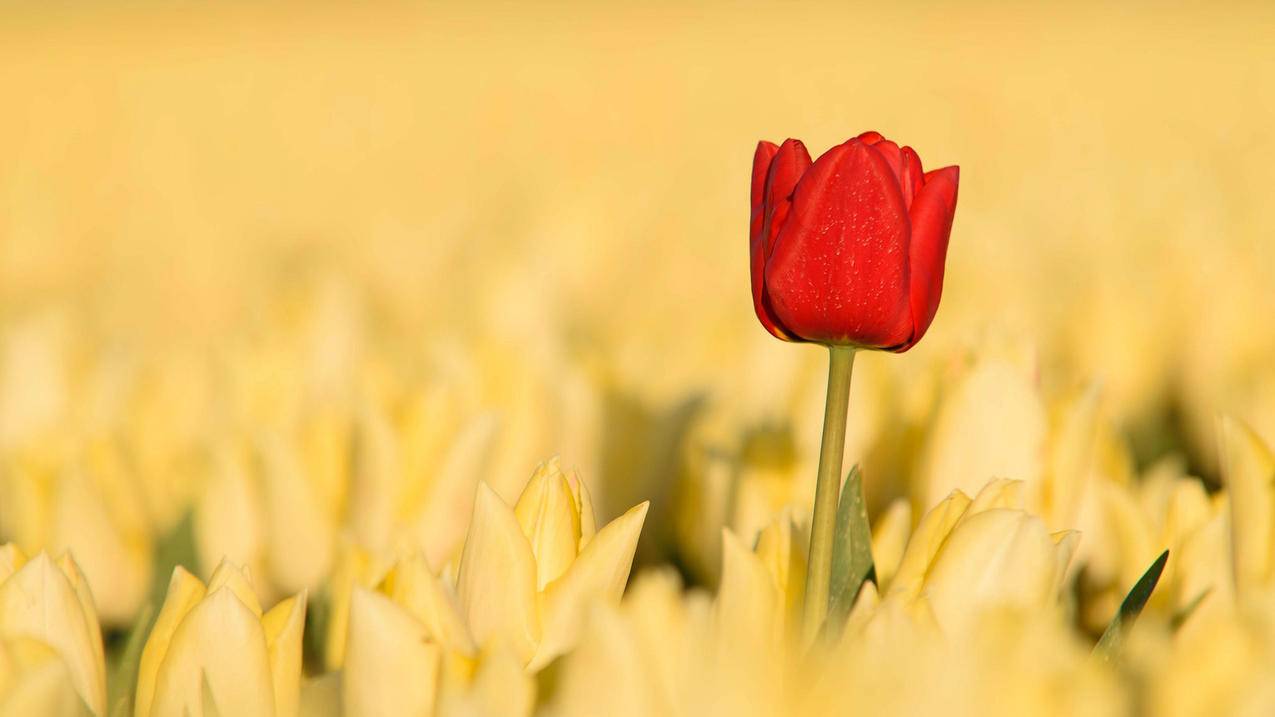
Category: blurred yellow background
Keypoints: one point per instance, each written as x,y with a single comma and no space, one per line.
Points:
563,184
282,286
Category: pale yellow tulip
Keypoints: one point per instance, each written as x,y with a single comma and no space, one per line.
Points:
211,645
49,601
35,681
527,573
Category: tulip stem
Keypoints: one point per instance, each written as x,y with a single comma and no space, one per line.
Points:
827,487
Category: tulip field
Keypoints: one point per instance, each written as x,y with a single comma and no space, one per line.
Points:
569,359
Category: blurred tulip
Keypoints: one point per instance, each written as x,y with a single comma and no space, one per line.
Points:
967,556
49,601
408,651
527,573
1248,466
211,647
83,499
849,249
35,681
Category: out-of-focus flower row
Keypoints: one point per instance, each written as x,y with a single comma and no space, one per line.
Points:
976,602
308,521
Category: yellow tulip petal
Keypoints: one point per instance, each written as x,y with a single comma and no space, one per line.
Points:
497,578
783,554
925,543
39,602
184,592
599,573
440,528
998,493
548,516
284,625
995,558
375,479
295,517
80,584
354,566
749,607
499,686
34,681
1069,456
532,496
391,666
11,560
889,538
235,578
219,649
412,585
228,516
1248,468
88,522
588,519
1065,544
992,424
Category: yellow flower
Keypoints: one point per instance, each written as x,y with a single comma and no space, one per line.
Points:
212,647
409,652
526,573
49,601
969,555
82,498
1248,467
35,681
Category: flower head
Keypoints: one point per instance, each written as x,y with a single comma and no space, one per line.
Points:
849,248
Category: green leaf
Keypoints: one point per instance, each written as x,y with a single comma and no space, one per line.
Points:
122,682
1113,638
177,547
851,555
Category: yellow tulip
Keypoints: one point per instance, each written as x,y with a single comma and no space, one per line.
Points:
35,681
525,579
49,601
409,652
1249,469
211,646
968,555
81,498
527,573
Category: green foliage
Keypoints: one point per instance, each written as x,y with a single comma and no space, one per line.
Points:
122,681
1113,637
851,554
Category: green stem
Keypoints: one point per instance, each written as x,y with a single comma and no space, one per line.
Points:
823,524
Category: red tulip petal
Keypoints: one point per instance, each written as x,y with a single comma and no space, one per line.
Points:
931,215
838,272
761,166
913,177
870,137
786,164
890,152
790,162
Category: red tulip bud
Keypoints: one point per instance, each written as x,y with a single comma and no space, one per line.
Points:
849,249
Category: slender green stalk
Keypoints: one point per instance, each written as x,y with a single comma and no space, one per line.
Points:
823,524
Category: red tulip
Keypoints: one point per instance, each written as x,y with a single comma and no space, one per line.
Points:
849,249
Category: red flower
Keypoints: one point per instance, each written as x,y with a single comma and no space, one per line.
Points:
849,249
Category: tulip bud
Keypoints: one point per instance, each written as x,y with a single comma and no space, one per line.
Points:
849,249
49,602
967,555
211,645
527,573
